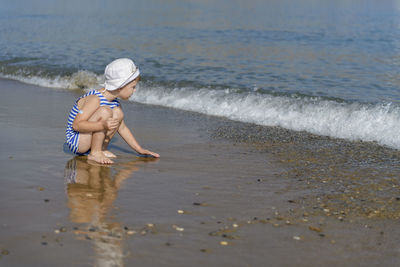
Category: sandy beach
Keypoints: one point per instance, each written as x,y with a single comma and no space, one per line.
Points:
222,194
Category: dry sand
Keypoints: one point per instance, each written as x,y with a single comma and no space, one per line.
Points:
215,197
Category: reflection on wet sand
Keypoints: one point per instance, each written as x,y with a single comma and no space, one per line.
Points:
91,190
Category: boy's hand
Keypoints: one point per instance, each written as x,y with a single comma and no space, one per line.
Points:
148,152
111,124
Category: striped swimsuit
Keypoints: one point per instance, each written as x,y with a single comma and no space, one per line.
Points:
72,137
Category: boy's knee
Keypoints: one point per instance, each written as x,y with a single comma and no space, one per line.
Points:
104,112
118,113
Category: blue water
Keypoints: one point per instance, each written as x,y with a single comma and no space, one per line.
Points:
326,67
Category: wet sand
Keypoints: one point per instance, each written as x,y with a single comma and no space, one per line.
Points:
222,193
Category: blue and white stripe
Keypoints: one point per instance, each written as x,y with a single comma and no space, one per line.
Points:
72,136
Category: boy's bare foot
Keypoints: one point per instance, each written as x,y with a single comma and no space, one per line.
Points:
99,157
109,154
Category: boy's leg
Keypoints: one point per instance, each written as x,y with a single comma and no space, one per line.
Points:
94,141
117,113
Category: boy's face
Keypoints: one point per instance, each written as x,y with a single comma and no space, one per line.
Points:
128,89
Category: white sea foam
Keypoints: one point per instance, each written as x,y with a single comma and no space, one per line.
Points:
367,122
356,121
79,80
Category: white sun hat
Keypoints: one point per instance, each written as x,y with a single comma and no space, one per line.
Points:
119,73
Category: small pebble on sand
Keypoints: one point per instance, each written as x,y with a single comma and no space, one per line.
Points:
223,243
131,232
297,238
177,228
316,229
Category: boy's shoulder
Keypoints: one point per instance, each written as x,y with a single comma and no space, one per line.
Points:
90,99
93,98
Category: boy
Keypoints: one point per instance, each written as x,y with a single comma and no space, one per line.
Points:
97,115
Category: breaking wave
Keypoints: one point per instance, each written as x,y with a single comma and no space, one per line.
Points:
82,79
379,122
353,121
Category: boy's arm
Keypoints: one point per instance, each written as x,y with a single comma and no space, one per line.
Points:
83,125
127,135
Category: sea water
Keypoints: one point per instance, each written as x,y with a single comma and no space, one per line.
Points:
325,67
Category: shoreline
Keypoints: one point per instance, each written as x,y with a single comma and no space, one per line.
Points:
222,193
